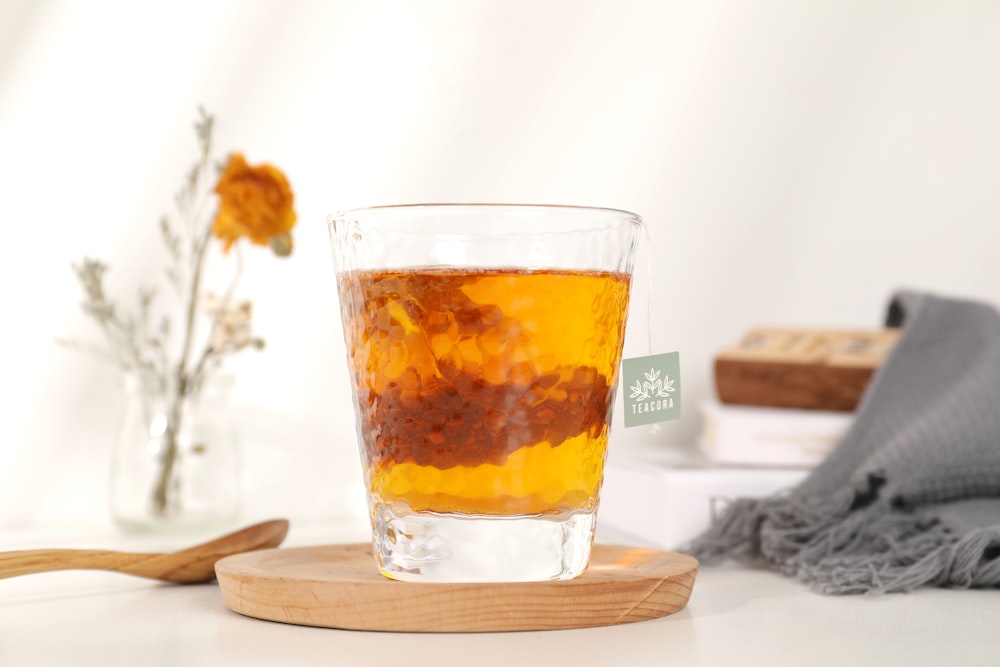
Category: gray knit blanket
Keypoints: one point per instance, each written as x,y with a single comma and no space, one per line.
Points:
911,496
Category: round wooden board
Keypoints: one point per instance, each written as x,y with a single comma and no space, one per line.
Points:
339,586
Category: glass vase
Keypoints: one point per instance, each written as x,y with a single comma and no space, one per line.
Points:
175,463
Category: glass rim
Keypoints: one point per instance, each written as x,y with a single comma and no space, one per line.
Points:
628,216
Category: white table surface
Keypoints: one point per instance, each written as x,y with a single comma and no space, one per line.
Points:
736,616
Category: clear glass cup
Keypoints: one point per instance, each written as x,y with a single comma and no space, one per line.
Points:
484,343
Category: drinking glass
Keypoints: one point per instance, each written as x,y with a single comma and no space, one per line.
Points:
484,343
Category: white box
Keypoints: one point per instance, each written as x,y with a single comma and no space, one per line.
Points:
664,505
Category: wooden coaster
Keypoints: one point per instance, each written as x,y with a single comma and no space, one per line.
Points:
338,586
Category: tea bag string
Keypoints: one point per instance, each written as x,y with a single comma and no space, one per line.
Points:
654,428
649,287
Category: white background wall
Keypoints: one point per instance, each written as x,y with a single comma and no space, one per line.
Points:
796,163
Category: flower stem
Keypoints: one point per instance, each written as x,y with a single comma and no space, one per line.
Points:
162,490
183,385
199,367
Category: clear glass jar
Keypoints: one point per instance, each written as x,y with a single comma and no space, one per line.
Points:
175,463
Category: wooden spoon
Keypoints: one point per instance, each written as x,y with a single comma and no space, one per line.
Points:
190,566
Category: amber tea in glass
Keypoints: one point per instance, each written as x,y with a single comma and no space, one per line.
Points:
484,343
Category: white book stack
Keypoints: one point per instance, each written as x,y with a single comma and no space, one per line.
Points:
740,435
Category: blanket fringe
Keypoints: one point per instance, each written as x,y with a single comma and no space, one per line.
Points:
839,550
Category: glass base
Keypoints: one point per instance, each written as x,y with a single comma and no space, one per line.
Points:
429,547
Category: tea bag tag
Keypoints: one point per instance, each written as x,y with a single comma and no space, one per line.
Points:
652,388
652,382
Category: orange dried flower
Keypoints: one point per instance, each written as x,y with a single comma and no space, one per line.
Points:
255,202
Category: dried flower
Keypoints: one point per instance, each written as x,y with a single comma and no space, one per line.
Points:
232,331
256,203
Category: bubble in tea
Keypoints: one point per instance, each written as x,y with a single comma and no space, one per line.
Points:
484,392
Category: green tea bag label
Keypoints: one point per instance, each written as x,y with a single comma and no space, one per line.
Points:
652,388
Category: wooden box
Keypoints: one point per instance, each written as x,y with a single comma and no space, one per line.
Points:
801,368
